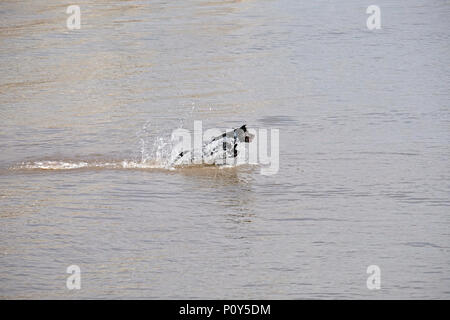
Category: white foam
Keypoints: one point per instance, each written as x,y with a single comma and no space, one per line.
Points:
71,165
54,165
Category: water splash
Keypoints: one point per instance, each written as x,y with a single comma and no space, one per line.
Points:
154,148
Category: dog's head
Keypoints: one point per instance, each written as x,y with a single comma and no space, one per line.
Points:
243,135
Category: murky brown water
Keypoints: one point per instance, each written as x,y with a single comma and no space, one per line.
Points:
364,149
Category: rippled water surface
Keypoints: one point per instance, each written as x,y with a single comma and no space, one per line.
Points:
364,149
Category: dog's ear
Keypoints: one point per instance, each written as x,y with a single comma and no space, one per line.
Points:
244,128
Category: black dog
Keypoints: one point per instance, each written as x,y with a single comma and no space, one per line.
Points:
218,149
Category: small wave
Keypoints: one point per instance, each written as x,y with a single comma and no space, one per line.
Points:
71,165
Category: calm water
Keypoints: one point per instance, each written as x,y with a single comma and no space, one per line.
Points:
364,149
